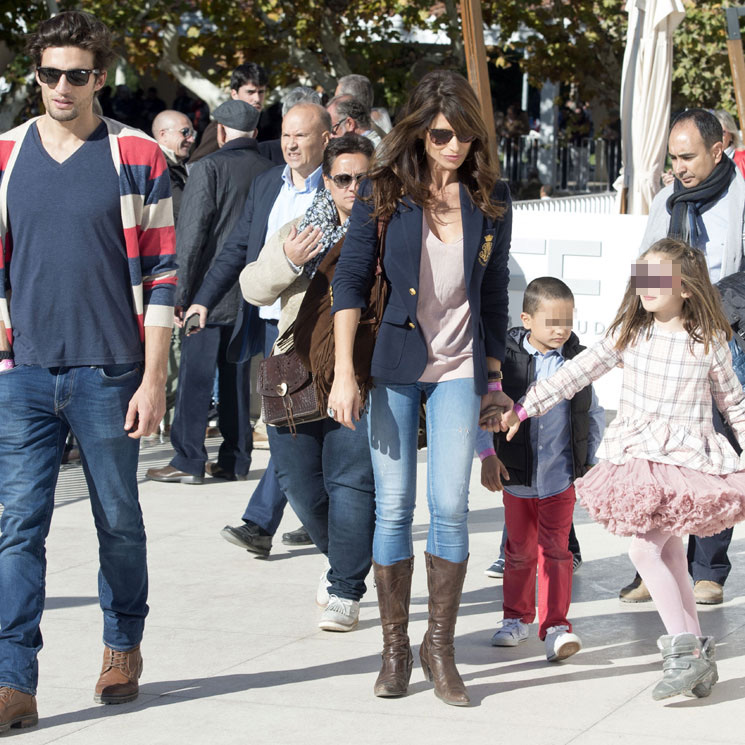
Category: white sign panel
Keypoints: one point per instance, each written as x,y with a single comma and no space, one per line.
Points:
593,254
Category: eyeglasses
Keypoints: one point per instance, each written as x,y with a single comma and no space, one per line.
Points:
441,137
336,126
51,75
343,180
185,131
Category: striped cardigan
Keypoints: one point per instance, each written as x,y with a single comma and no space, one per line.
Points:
147,217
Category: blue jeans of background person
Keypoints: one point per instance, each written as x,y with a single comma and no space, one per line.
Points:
326,475
201,353
39,406
452,419
267,503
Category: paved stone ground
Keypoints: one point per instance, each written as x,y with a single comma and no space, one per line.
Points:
232,652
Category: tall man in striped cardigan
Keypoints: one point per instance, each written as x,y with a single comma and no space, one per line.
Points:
87,274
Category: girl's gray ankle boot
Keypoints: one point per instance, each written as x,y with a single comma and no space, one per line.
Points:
684,666
708,652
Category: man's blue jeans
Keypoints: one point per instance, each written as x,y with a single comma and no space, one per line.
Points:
39,406
326,475
452,421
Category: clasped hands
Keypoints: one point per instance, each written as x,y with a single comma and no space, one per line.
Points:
497,414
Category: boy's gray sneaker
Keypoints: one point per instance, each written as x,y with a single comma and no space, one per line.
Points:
511,633
341,614
684,666
561,643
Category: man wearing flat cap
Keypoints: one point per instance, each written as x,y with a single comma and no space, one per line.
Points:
212,202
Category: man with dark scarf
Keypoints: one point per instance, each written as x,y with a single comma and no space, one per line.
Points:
704,206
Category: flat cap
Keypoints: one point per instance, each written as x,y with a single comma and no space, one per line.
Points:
237,114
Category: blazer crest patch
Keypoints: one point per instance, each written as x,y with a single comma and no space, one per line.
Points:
486,249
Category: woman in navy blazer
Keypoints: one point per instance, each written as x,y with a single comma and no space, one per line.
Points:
442,336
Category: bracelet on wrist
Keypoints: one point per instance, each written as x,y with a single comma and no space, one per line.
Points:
494,385
6,354
522,415
494,375
7,364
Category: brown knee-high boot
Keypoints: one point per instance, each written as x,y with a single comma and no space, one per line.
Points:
437,653
393,583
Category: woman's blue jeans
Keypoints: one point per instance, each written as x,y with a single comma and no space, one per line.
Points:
325,473
452,419
39,406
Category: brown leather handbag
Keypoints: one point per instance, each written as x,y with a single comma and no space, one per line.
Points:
313,329
288,396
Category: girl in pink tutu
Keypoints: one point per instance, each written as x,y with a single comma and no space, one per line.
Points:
664,471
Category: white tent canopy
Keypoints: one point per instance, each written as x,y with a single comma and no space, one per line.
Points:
645,98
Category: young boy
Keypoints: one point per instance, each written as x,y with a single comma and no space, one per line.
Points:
540,465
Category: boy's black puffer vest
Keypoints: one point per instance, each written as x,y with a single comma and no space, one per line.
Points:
519,372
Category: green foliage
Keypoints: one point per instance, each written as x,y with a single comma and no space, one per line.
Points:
701,70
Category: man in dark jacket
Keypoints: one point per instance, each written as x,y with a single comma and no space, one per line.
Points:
213,199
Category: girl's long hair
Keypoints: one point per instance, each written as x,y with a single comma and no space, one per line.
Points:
703,317
399,167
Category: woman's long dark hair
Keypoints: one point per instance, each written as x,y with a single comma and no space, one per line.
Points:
703,317
399,168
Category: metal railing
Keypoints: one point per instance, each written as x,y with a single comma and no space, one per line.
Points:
589,165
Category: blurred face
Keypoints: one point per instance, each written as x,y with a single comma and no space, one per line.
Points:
658,282
251,93
692,160
441,154
177,136
303,140
550,325
65,102
346,172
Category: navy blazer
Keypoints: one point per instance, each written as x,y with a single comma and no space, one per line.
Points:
242,247
401,353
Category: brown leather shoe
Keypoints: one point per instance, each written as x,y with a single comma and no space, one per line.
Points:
17,709
118,682
171,475
437,653
708,592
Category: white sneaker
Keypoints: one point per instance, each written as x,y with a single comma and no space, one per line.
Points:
341,614
512,632
322,593
561,643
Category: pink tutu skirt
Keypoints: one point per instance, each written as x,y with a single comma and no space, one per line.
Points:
642,495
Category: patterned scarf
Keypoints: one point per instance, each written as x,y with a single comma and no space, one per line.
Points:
322,214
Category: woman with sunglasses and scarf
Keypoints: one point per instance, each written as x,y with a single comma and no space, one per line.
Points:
323,468
442,336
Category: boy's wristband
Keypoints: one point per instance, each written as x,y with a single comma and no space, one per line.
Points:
484,454
7,364
494,385
522,415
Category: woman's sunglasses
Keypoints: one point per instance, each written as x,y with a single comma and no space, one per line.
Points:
440,137
51,75
343,180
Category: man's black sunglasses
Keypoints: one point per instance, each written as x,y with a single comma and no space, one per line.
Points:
51,75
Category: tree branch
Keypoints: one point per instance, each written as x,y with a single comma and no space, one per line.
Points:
190,78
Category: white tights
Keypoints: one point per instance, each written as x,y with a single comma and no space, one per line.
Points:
661,561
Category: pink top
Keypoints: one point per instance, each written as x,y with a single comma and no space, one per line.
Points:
443,311
664,414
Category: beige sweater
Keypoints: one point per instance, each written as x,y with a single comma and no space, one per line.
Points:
271,276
